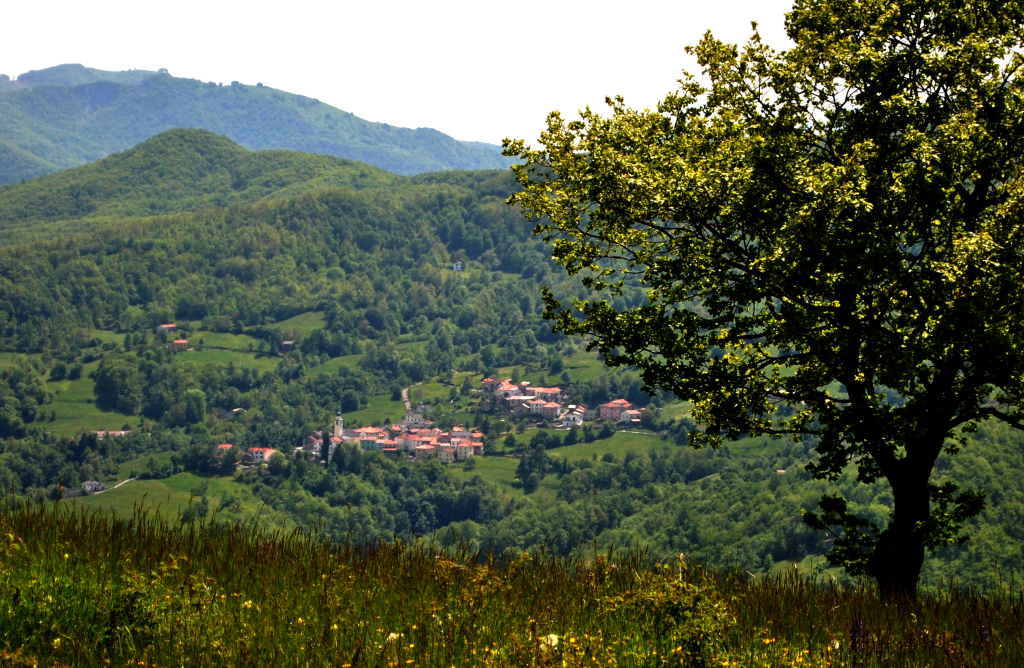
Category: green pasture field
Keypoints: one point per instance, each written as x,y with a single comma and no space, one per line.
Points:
207,356
584,366
12,359
429,392
169,496
501,471
333,365
138,465
106,336
619,444
676,409
239,342
378,409
76,410
303,324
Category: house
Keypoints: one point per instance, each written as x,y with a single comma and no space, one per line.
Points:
445,455
390,452
463,451
457,265
313,441
287,346
100,435
510,403
520,409
459,432
551,410
478,449
223,449
169,327
536,405
490,384
630,417
260,455
386,444
507,390
414,421
548,393
236,413
613,409
179,345
93,486
425,451
573,416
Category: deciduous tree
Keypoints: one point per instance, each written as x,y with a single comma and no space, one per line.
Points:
835,228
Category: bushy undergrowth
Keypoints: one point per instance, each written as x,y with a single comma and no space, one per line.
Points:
85,589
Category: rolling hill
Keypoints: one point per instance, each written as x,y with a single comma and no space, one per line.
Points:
69,115
176,171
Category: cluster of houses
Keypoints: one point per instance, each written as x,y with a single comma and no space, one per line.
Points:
414,436
547,403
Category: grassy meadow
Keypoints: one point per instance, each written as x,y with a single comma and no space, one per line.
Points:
87,589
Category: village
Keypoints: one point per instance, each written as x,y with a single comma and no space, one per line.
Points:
416,437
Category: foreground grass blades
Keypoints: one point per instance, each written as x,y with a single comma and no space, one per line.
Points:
80,588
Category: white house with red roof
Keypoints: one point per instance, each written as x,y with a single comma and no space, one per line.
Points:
260,455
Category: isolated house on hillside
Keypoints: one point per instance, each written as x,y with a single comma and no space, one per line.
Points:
169,327
179,345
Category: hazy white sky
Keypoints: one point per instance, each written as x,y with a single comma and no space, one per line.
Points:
475,70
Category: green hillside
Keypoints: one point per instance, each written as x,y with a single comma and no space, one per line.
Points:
178,170
69,115
355,266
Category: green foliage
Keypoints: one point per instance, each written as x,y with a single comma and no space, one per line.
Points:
179,170
69,115
832,228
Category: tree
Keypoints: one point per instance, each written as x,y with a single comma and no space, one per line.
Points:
834,228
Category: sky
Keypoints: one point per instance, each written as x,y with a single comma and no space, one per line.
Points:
478,71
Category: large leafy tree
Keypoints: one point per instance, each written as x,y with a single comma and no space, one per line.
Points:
829,241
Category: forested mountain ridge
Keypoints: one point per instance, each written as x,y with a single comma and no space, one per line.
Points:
66,116
176,171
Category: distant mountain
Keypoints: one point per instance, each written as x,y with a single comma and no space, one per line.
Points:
176,171
69,115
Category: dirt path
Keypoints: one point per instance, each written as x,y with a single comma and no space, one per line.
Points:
123,482
405,398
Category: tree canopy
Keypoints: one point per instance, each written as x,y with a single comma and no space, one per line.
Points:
830,244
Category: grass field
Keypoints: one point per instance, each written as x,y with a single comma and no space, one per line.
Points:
80,589
379,408
501,471
206,356
169,496
301,325
332,366
73,402
238,342
619,444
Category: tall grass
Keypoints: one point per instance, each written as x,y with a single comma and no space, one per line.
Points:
80,588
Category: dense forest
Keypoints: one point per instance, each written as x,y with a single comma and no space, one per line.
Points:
193,229
68,115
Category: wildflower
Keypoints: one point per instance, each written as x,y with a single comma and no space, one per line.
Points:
247,605
392,637
550,641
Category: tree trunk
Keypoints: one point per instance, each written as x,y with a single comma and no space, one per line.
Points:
899,554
